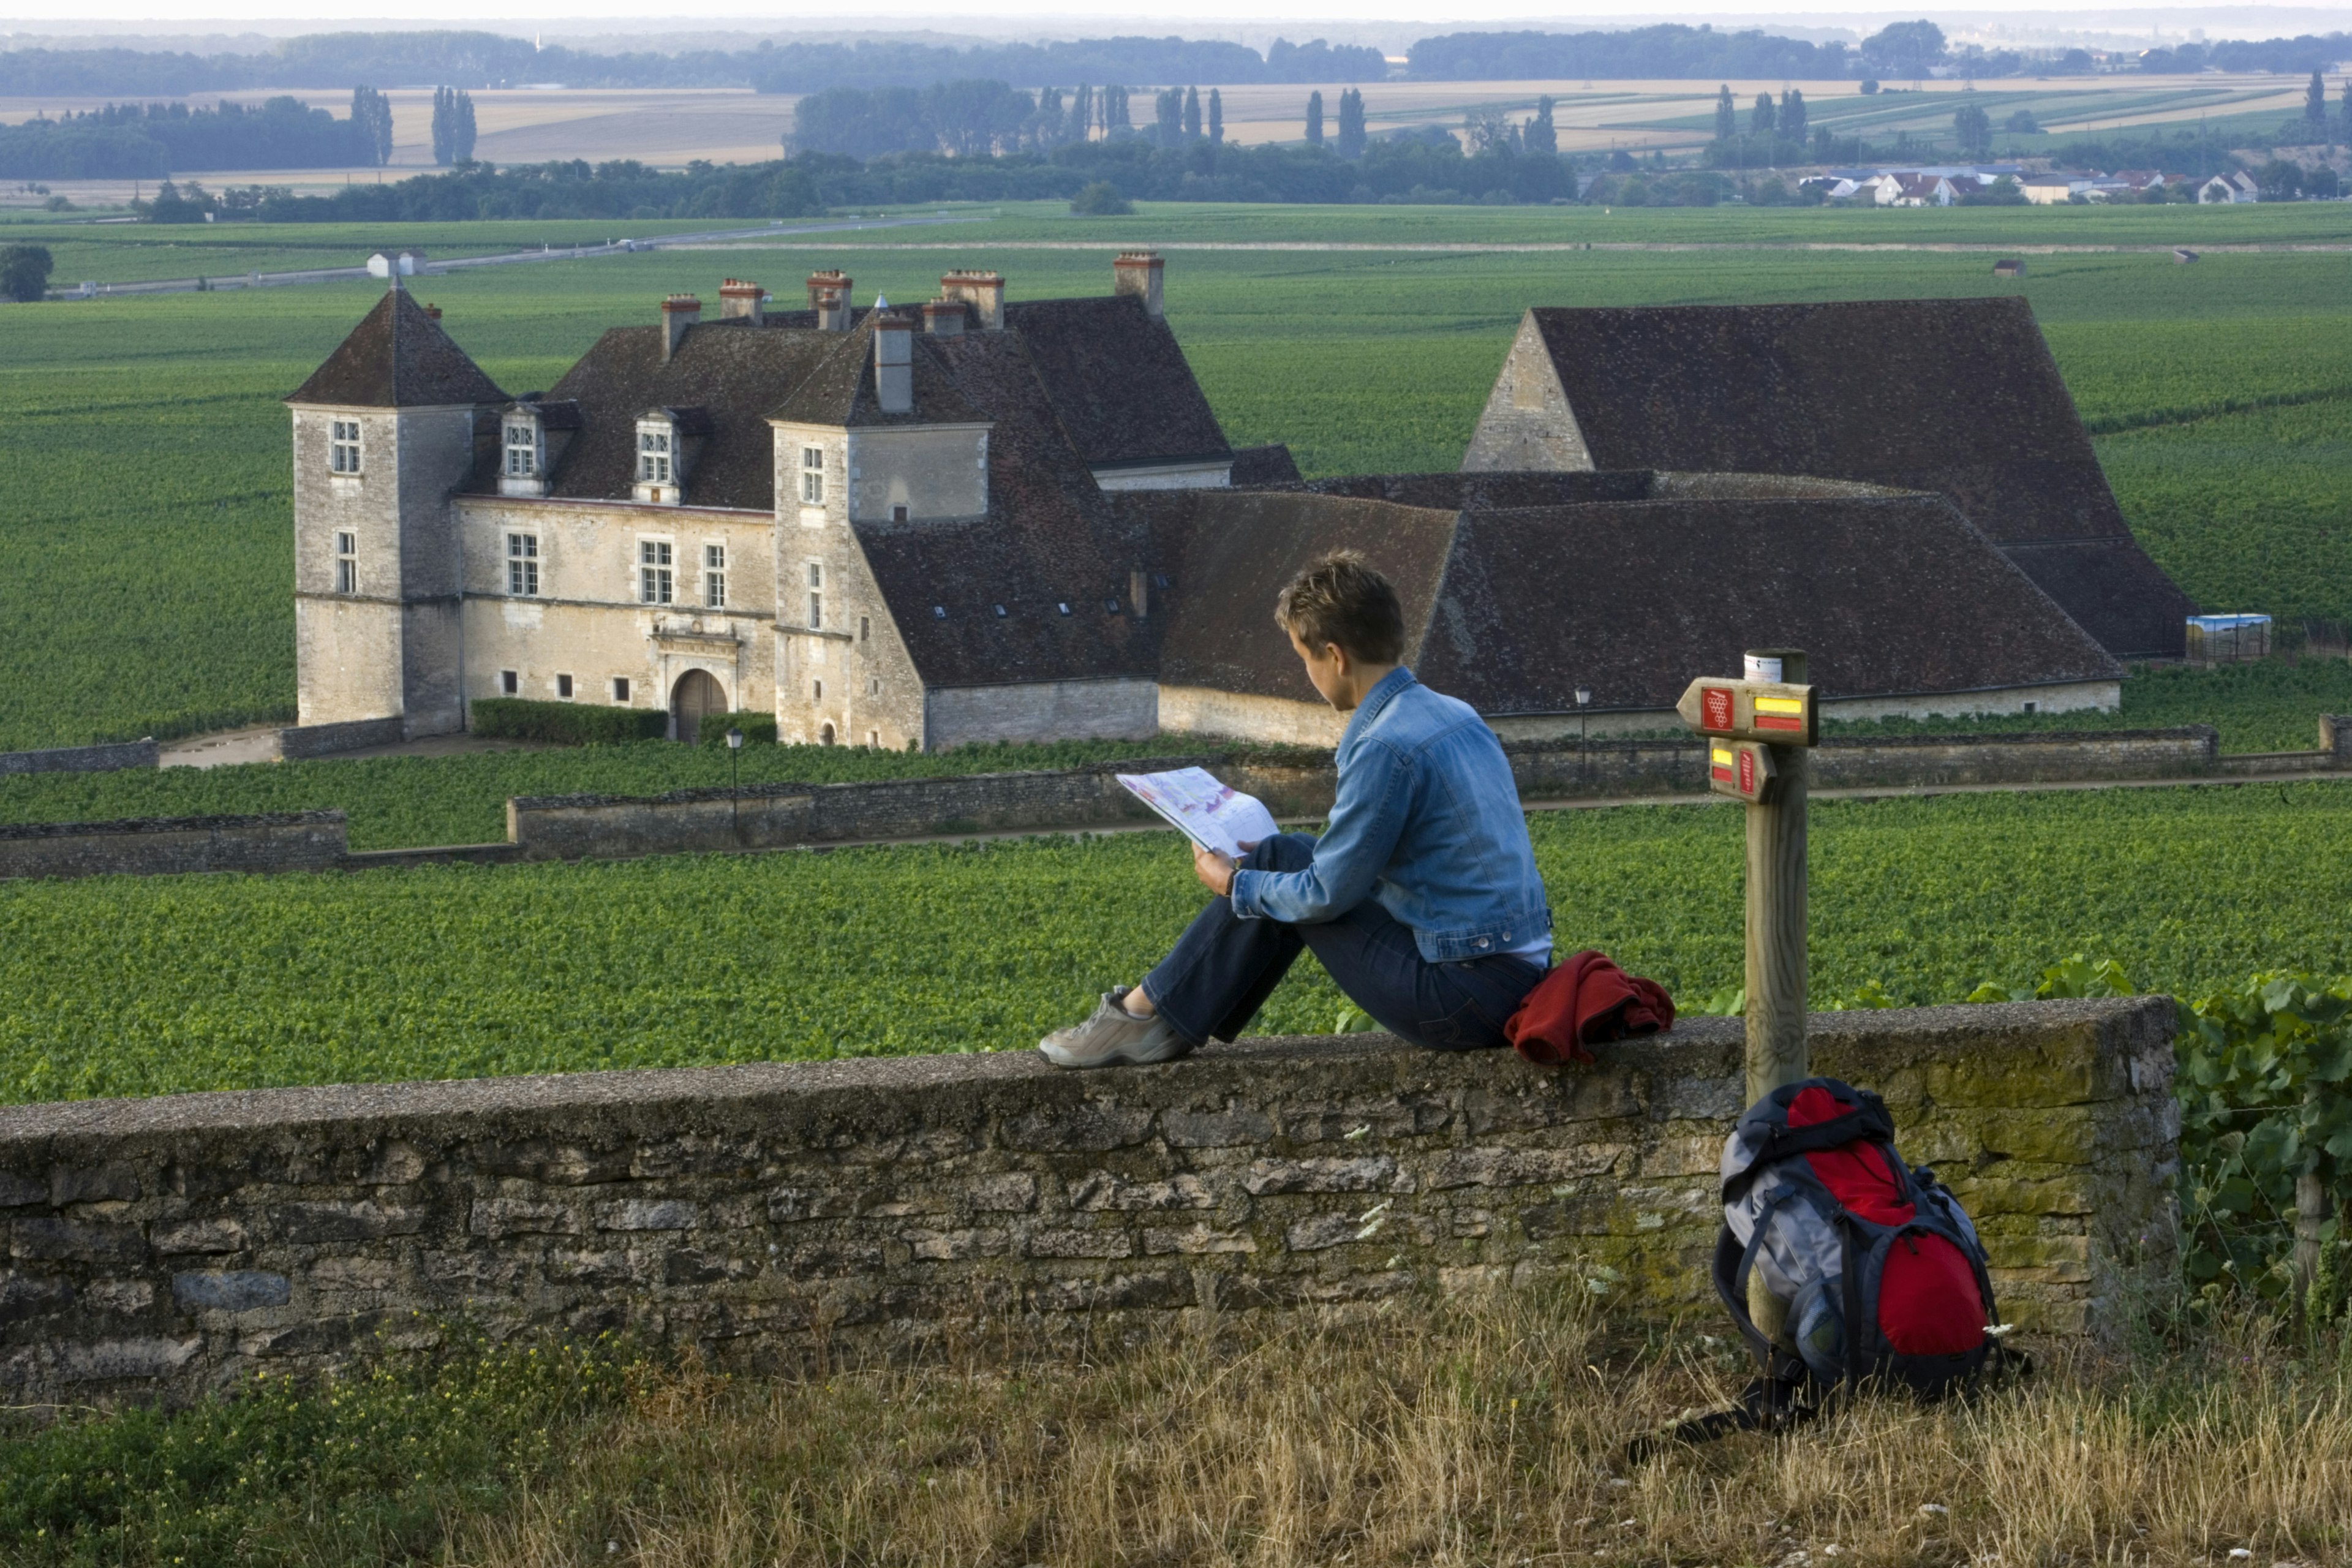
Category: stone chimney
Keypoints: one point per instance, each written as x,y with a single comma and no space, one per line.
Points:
432,311
1138,272
894,363
829,297
943,317
984,291
680,311
739,298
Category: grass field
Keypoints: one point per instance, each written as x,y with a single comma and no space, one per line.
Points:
148,986
152,535
1490,1428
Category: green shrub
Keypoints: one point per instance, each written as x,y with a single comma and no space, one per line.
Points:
759,729
565,723
1101,199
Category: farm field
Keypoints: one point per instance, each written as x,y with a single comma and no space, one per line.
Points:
152,537
148,985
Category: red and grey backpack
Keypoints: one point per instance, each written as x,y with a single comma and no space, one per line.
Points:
1882,1273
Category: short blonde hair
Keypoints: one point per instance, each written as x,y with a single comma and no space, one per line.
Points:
1340,598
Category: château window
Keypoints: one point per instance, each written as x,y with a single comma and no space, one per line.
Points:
812,476
522,451
510,682
523,563
655,579
347,564
816,596
343,449
653,456
620,688
864,628
564,687
714,576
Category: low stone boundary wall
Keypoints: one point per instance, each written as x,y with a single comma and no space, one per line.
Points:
766,1212
778,816
279,841
325,739
82,759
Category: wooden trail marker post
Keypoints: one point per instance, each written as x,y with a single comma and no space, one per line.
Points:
1758,730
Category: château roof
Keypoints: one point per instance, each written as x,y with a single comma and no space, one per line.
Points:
1958,396
397,357
1512,608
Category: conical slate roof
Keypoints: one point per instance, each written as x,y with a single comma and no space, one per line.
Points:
397,357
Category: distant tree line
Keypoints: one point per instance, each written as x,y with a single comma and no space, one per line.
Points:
479,59
814,68
133,141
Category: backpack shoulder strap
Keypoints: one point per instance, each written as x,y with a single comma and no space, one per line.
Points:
1867,1121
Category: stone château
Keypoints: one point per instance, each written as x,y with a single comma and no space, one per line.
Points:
981,519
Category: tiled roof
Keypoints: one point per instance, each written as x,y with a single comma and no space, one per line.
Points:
1513,609
1264,465
1959,396
1118,380
397,357
1051,538
1889,596
840,390
734,376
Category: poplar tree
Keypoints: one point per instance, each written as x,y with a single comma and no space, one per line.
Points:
1726,115
1315,120
1082,113
2315,100
1216,118
1351,123
444,124
1191,112
371,124
1540,135
1759,119
1792,116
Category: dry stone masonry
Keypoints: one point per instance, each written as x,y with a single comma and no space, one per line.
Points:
768,1213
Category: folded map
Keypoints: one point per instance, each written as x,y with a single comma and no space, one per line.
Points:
1211,815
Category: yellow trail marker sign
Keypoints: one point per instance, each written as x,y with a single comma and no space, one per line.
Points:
1773,712
1741,769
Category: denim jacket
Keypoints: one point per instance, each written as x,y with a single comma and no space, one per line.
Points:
1428,822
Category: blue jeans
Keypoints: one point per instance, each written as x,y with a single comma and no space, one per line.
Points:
1225,967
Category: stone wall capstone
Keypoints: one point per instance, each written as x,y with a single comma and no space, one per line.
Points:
768,1214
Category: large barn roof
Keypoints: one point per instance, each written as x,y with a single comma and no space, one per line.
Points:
397,357
1958,396
1513,608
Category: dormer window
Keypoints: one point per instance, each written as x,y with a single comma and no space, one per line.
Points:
343,447
653,452
523,450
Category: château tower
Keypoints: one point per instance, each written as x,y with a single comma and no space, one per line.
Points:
385,431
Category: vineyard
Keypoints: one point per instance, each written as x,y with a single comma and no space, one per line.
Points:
151,596
129,987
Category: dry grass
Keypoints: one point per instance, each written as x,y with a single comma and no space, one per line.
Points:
1454,1435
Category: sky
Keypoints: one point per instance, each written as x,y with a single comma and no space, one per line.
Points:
1090,16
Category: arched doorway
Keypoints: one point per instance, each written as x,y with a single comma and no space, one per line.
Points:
824,736
696,695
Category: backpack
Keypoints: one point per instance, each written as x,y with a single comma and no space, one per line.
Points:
1882,1273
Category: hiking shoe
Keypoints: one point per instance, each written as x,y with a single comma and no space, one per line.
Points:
1114,1038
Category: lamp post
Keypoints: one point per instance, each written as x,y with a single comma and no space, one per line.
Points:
735,782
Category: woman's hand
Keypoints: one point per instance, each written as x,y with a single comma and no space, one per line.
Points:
1215,870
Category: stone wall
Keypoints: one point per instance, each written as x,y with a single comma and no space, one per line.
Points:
279,841
351,735
163,1246
777,816
81,758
